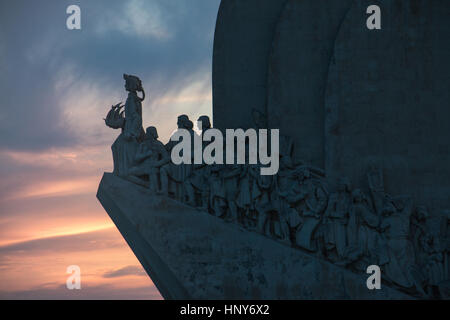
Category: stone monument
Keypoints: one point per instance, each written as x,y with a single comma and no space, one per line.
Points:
363,179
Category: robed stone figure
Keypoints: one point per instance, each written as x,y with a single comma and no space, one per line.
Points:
127,143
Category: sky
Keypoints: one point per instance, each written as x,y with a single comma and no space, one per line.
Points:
56,86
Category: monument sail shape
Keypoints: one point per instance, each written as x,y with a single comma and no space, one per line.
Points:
357,185
388,101
242,44
301,51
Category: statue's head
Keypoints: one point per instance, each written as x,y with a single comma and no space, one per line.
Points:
132,83
388,208
357,195
206,124
259,119
399,203
182,121
151,132
286,162
344,185
446,213
189,125
302,173
421,212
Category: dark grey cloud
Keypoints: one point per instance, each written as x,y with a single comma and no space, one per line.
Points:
165,42
125,271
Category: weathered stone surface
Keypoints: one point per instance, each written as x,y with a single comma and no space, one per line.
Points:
301,51
242,41
388,99
191,254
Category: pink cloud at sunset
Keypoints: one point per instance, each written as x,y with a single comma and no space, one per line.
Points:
51,219
37,268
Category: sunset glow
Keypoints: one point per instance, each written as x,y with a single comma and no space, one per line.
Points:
56,146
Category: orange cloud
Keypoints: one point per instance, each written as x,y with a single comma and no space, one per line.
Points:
38,267
59,188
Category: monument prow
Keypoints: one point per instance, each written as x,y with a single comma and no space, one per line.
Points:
190,254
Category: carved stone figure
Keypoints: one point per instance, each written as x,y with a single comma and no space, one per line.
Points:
285,203
312,200
178,174
446,242
244,199
217,198
127,143
445,285
434,267
337,215
206,123
376,186
115,118
150,158
197,181
259,119
133,108
395,224
230,183
362,232
418,232
267,220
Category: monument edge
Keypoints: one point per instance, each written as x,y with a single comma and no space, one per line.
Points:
160,274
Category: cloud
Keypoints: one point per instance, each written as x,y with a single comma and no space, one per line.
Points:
57,84
139,19
125,271
93,292
37,268
29,115
80,241
52,172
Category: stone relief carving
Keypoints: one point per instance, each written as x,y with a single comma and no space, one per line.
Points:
345,226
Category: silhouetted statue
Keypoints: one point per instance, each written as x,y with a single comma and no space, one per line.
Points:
217,193
244,199
266,222
259,119
312,200
133,129
376,186
206,123
281,197
126,145
396,225
337,215
150,158
363,238
197,181
230,180
179,173
446,242
418,232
